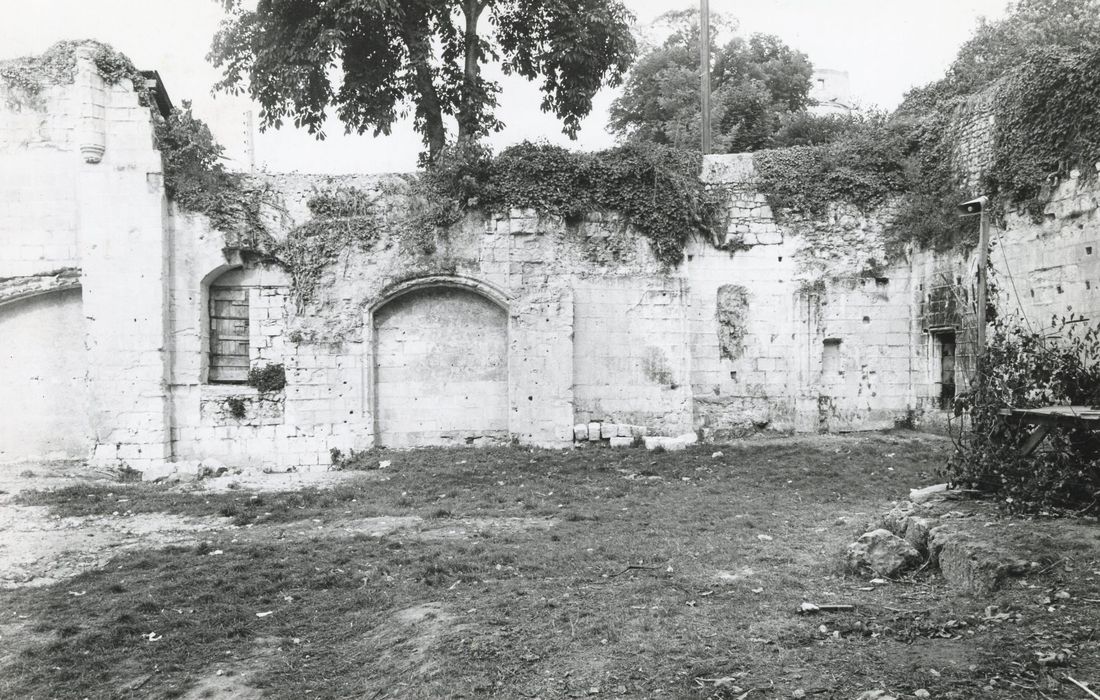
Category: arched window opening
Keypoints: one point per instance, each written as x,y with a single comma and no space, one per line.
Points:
229,331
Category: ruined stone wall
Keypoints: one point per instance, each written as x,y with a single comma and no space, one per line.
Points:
972,133
80,189
506,326
809,328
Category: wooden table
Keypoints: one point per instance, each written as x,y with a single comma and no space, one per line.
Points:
1047,417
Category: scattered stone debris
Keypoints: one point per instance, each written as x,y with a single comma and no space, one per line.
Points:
671,444
881,552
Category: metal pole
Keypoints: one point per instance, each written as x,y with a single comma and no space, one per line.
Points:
704,64
983,261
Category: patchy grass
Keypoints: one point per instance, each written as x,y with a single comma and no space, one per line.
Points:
673,575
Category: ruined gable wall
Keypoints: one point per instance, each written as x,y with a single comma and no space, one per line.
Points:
81,193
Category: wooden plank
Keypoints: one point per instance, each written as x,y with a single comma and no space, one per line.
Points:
230,293
228,374
1034,439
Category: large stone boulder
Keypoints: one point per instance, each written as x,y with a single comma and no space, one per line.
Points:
970,564
883,553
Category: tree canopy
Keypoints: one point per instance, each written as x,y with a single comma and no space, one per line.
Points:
755,82
375,61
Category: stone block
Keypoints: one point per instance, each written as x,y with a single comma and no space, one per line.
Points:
622,441
609,430
593,431
156,471
881,552
580,431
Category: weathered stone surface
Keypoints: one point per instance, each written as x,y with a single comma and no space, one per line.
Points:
875,695
927,493
596,328
622,441
881,552
157,470
916,532
971,565
897,518
593,431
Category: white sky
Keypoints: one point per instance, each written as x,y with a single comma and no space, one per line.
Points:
887,47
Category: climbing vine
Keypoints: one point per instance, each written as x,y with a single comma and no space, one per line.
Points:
27,77
344,219
1047,122
655,188
907,157
1046,116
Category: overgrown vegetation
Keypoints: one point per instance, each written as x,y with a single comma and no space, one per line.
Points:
906,158
25,78
269,378
1042,69
237,407
555,572
1026,368
757,82
344,219
1047,123
655,188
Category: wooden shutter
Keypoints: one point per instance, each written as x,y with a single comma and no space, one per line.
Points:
228,334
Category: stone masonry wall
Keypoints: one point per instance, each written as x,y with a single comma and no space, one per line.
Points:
81,189
790,325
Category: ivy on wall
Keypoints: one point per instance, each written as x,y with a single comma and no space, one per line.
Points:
655,188
1047,122
27,77
907,156
343,219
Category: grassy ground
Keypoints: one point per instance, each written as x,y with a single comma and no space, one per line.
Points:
595,572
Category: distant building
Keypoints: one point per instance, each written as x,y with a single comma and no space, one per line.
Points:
830,92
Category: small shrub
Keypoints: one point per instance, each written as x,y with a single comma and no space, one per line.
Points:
354,460
126,474
1024,368
236,407
268,378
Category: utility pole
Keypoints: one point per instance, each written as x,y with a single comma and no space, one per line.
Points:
980,206
704,64
983,264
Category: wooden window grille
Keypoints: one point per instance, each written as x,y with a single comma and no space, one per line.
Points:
229,347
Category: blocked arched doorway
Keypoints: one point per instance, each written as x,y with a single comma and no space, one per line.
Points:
440,351
43,384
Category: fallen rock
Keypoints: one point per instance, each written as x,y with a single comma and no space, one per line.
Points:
874,695
971,566
158,471
882,552
916,532
897,518
593,431
671,444
927,493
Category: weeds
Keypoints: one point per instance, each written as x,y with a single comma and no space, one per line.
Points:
619,592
